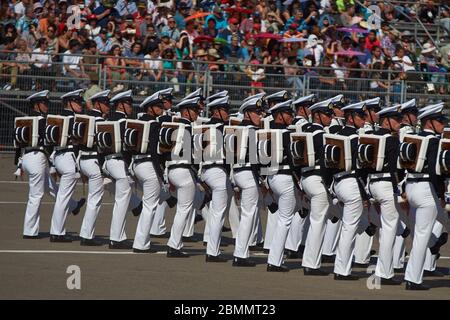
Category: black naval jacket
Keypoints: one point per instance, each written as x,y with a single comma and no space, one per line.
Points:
304,126
391,154
429,166
325,173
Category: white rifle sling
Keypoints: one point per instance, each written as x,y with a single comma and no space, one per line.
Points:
84,130
108,136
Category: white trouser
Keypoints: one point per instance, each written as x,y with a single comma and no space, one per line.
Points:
183,181
35,165
205,214
91,169
190,225
151,189
251,198
65,164
382,192
283,188
363,242
257,232
424,205
348,193
430,259
159,221
271,220
331,239
118,172
399,244
217,180
320,202
234,215
298,231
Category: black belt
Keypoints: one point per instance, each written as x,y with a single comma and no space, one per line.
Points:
285,171
34,150
242,169
59,151
88,157
387,179
311,173
214,165
336,180
418,180
136,161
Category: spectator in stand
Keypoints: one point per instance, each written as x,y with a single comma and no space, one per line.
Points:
91,60
103,43
291,71
52,39
256,75
153,70
170,69
92,28
388,43
378,83
115,67
171,29
428,12
22,70
210,29
315,49
232,30
340,72
72,66
64,36
377,57
151,41
42,64
372,40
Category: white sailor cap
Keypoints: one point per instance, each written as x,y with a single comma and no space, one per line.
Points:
194,94
338,101
373,103
166,93
217,95
189,103
308,100
122,96
277,96
152,100
39,96
389,112
323,106
102,95
223,102
73,95
359,107
430,107
282,107
252,104
433,113
258,95
409,106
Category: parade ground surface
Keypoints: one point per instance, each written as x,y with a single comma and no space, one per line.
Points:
37,269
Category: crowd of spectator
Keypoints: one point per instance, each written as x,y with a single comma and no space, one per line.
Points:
256,43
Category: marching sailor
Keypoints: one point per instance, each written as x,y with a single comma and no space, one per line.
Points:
383,186
147,169
246,178
425,194
302,112
66,165
337,123
116,166
409,111
371,124
215,174
33,160
349,191
91,163
182,176
314,183
283,185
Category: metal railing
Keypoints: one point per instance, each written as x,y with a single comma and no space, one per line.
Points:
320,81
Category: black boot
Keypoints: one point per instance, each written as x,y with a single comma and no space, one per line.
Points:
416,286
121,245
241,262
218,258
174,253
80,204
272,268
314,272
65,238
90,242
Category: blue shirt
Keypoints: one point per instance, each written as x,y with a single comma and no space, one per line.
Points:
103,46
221,23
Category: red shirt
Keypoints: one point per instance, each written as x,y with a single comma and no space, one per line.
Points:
371,44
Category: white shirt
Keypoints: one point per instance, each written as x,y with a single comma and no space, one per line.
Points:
41,58
340,75
19,9
154,64
73,62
